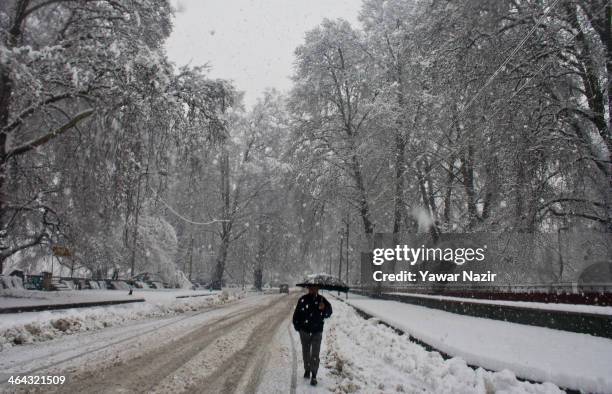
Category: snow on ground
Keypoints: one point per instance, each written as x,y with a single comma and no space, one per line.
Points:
72,355
278,373
357,355
362,356
27,327
600,310
571,360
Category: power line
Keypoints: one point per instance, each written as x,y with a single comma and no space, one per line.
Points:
455,149
183,218
527,82
509,57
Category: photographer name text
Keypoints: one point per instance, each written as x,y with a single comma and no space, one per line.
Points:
426,276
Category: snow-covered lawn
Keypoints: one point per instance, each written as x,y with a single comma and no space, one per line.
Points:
20,328
571,360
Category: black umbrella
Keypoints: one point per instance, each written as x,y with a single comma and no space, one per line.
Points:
324,282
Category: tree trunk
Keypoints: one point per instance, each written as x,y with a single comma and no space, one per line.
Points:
467,171
519,196
400,164
400,161
12,38
217,282
5,94
259,262
594,89
491,187
226,225
364,208
448,194
427,198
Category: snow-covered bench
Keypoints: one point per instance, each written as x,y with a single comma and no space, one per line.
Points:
141,285
119,285
11,282
157,285
70,284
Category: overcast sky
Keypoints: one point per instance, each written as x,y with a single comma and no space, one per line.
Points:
249,41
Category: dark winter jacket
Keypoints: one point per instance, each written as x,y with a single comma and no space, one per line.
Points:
307,316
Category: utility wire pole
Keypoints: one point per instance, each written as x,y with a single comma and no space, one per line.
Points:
340,256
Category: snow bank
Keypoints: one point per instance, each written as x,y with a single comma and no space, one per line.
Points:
364,357
21,328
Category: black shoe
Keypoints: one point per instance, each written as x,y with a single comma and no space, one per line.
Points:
313,381
306,374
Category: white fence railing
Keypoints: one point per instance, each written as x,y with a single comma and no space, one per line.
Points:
549,288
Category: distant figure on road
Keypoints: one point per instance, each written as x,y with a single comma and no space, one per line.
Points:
308,317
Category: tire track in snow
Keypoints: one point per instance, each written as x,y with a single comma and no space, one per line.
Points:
143,372
293,362
107,345
242,370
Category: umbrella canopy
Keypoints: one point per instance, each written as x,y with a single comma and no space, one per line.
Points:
324,282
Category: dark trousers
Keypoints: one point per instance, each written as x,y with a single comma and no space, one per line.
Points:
311,346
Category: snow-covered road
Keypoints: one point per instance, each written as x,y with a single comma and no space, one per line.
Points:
217,348
247,346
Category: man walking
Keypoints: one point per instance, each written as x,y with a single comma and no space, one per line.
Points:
308,317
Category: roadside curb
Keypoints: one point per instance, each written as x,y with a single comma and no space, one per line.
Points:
196,295
48,307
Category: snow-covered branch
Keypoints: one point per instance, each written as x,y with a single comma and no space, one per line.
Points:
28,146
